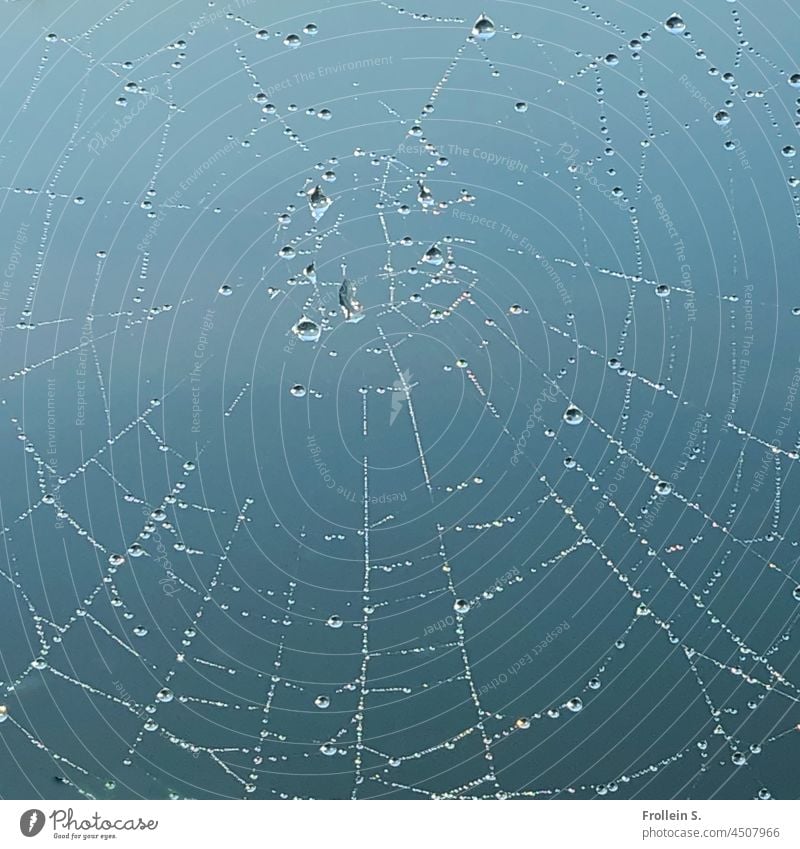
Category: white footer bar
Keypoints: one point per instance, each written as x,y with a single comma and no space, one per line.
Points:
615,824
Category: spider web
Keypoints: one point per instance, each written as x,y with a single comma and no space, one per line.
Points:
510,513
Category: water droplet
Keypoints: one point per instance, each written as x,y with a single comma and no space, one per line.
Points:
483,29
298,391
433,256
425,196
573,416
307,330
318,203
675,24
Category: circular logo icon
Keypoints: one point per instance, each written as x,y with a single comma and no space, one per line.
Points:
31,822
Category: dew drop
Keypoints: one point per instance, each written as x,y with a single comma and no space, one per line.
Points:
307,330
483,29
675,24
